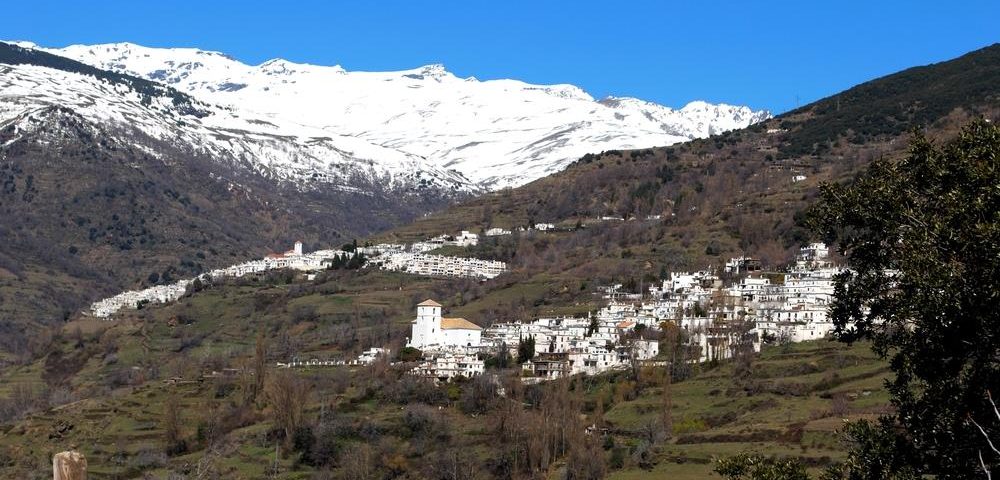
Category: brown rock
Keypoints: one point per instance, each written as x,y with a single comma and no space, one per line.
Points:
69,466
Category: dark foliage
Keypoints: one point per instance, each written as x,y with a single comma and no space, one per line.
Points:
923,238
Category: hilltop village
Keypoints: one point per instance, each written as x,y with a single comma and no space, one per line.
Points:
412,259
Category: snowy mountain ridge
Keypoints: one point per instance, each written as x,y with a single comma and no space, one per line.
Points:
273,148
492,134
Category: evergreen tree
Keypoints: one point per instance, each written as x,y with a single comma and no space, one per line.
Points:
526,349
922,237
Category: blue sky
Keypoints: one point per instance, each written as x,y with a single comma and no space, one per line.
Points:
771,55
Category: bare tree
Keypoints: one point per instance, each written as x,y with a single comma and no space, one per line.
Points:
171,423
287,394
585,461
359,463
742,350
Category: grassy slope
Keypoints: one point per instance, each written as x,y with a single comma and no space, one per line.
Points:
121,434
802,424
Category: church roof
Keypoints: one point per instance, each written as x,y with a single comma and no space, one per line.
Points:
428,303
458,324
626,324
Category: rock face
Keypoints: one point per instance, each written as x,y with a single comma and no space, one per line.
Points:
69,466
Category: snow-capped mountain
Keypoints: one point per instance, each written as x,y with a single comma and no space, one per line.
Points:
272,147
496,133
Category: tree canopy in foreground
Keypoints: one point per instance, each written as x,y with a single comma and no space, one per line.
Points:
922,237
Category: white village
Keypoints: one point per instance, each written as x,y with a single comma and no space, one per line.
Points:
737,306
394,257
714,317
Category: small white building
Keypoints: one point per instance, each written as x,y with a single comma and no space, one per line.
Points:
448,365
369,356
544,227
466,239
646,349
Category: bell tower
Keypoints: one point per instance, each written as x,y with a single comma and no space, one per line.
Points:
427,326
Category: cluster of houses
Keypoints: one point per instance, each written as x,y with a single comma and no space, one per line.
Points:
564,346
387,256
294,259
416,260
442,265
714,318
136,298
463,239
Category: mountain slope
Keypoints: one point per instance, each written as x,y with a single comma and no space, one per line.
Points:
110,182
697,203
499,132
308,157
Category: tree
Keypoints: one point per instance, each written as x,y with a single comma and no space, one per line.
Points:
409,354
670,334
259,368
586,461
922,236
526,349
171,424
593,326
742,335
501,360
287,394
359,463
755,467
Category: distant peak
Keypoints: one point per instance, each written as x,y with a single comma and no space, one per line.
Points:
701,105
277,65
280,65
434,69
613,101
21,43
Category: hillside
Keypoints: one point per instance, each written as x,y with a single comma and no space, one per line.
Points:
701,202
109,383
106,185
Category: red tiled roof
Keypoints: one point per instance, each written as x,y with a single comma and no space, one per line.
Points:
458,324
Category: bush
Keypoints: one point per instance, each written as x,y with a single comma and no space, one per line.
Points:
409,354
